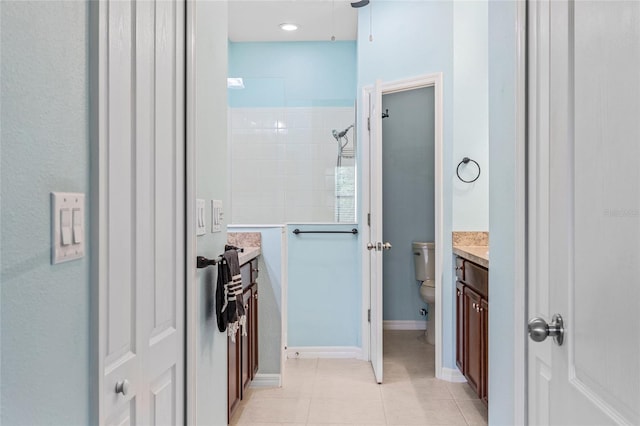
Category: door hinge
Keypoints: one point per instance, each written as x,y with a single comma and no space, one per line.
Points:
368,123
369,219
369,315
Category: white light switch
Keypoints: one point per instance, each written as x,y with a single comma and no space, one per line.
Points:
216,215
201,228
65,227
67,219
78,228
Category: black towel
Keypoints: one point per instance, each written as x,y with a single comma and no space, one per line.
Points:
236,315
224,277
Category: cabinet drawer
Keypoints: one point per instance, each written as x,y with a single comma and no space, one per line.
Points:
245,274
477,278
254,270
460,268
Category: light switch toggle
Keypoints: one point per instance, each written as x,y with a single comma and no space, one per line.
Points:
78,229
65,227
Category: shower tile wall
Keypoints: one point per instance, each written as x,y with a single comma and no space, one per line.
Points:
283,165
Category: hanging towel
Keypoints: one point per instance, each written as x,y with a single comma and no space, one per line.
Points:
236,316
224,277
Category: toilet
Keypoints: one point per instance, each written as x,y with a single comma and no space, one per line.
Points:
424,263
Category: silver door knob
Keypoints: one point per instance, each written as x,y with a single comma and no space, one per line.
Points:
387,246
122,387
371,246
539,329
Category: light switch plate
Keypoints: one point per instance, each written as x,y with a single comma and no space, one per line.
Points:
216,215
201,227
67,226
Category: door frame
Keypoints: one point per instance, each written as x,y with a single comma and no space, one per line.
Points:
434,80
521,169
191,279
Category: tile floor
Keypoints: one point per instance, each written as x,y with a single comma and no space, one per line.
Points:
344,392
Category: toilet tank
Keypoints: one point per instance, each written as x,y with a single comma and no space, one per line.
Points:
424,260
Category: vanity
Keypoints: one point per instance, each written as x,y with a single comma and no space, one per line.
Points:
472,315
242,354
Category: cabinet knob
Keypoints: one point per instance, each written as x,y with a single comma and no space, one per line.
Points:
255,296
246,307
459,293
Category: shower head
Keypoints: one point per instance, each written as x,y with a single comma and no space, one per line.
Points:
342,134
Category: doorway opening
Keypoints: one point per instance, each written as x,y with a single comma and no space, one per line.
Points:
376,188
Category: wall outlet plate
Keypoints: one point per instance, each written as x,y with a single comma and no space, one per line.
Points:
67,226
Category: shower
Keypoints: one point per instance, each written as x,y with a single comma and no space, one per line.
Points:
343,140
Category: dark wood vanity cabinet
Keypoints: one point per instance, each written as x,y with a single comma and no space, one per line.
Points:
243,353
472,319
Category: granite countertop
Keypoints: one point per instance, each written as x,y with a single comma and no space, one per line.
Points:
475,254
248,254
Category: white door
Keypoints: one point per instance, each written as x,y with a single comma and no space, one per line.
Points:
584,217
141,206
374,244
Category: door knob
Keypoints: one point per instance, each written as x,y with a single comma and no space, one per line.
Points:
122,387
371,246
539,329
387,246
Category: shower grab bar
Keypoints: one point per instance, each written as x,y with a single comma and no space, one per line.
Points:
354,231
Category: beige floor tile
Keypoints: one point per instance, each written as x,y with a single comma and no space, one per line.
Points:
346,411
345,387
258,410
462,391
422,412
420,388
474,411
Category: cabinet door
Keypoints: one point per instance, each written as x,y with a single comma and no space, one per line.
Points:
460,331
246,341
254,331
233,378
484,311
473,339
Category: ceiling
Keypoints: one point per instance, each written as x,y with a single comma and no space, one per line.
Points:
317,20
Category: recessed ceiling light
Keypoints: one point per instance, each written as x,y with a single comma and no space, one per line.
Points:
288,27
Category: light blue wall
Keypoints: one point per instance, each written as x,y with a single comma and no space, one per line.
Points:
324,289
270,296
411,39
293,74
46,369
408,202
470,114
211,183
502,214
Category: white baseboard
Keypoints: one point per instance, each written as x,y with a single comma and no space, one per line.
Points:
324,352
404,325
266,381
451,375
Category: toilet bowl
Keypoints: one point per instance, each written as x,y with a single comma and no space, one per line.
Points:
428,295
424,256
428,292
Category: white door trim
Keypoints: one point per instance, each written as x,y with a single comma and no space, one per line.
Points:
520,289
191,295
428,80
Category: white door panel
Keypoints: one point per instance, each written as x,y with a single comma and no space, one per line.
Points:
375,230
585,219
142,204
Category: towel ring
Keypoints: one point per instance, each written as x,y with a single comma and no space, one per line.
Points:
466,160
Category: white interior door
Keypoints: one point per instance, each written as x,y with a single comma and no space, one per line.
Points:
141,212
584,217
375,230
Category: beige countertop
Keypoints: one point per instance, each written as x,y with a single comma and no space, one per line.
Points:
248,254
475,254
